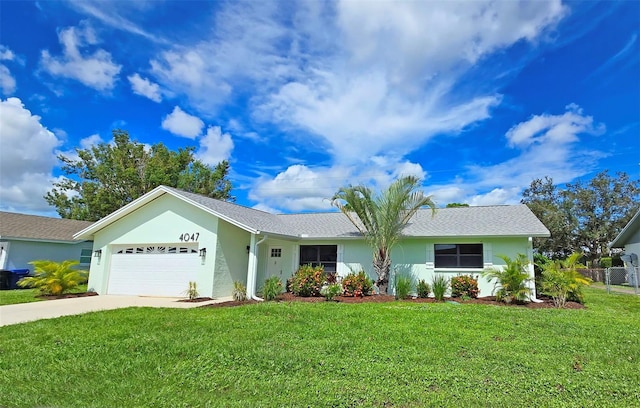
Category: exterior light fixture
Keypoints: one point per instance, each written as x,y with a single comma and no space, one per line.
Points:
97,253
248,249
203,252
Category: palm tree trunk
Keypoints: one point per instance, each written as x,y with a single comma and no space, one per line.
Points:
382,265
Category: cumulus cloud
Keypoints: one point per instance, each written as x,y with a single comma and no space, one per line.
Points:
7,81
144,87
182,124
215,146
27,158
95,70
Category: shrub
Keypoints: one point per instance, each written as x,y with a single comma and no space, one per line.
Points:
606,262
439,284
331,290
464,286
272,288
239,292
423,289
192,292
357,284
54,278
403,287
562,281
308,280
511,280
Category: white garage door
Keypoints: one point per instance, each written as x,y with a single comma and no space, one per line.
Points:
153,270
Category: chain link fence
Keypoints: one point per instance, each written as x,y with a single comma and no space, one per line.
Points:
620,279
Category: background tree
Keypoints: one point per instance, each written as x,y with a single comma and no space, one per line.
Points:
380,218
108,176
583,217
455,205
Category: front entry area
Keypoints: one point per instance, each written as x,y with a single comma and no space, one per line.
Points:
153,270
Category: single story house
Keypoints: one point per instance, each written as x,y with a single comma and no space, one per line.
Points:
25,238
629,239
160,242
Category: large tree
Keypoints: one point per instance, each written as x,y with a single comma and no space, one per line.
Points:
107,176
381,217
583,217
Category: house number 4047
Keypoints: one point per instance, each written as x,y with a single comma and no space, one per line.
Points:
186,237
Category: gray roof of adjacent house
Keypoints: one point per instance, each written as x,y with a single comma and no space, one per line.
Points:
35,227
516,220
627,232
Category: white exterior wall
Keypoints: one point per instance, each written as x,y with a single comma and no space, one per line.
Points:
289,260
232,258
416,257
20,253
633,246
158,222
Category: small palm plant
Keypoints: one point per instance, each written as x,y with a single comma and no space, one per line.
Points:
55,278
511,280
562,281
239,292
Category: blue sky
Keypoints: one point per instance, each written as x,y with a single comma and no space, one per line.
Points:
478,98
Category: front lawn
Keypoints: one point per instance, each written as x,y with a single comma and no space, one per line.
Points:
397,354
15,296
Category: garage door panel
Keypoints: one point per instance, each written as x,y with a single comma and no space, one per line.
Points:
152,274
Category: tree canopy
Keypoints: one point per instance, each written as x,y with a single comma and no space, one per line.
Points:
108,176
380,218
584,216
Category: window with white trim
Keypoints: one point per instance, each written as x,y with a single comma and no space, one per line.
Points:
458,256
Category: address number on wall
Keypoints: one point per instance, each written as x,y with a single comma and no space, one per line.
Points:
187,237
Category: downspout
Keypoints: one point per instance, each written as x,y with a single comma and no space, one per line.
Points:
253,273
532,273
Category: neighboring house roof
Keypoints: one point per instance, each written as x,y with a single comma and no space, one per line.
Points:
35,227
627,232
515,220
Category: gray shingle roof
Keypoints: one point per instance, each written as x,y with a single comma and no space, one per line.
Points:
502,220
13,225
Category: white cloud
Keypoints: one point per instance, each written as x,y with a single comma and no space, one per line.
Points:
181,123
7,81
144,87
6,54
96,70
90,141
27,158
215,146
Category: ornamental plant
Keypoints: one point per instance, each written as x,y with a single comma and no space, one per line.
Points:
239,292
511,280
272,288
403,287
357,284
54,278
562,281
192,293
464,286
330,291
423,289
308,280
440,284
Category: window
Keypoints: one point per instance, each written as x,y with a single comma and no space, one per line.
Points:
458,256
325,255
276,252
85,255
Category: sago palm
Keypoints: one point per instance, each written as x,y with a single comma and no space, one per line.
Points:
55,278
380,218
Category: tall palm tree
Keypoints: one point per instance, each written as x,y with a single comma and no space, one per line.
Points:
380,218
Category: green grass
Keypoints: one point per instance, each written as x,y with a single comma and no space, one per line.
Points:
11,297
15,296
398,354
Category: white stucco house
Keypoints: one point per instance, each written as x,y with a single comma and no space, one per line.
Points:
158,243
629,239
25,238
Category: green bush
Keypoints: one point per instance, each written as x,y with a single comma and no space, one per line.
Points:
440,285
562,281
239,292
511,280
423,289
403,287
331,290
308,280
606,262
272,288
357,284
464,286
54,278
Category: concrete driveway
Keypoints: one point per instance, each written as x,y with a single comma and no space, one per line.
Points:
50,309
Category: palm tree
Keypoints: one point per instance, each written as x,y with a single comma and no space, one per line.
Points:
381,218
55,278
511,280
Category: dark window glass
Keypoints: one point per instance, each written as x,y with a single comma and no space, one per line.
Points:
458,256
325,255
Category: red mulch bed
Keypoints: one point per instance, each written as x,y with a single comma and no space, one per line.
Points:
67,295
289,297
196,300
